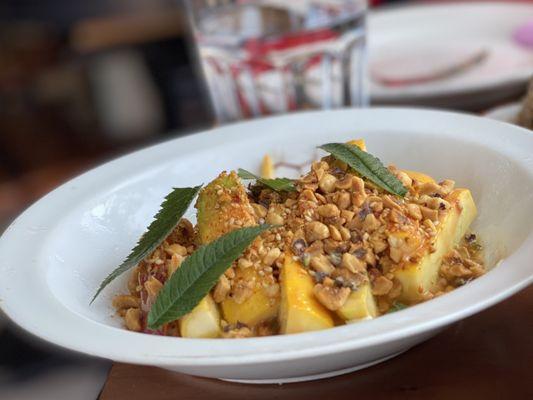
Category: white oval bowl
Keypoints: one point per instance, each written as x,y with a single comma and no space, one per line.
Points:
56,253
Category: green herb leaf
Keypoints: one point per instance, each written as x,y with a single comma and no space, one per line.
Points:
172,209
198,274
396,306
278,184
367,165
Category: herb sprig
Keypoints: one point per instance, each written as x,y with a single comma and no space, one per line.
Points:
172,209
367,165
201,270
277,184
198,274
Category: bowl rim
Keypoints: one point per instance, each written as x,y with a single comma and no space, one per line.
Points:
82,334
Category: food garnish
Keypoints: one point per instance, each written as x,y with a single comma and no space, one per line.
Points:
367,165
348,241
276,184
198,274
172,209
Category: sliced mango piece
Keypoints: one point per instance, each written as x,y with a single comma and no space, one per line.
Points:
223,199
256,309
360,305
300,311
215,209
203,321
359,143
419,278
419,176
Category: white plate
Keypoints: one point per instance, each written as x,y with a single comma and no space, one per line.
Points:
505,113
56,253
408,32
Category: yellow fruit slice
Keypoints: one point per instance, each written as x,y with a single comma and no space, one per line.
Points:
202,322
360,305
419,176
419,278
359,143
300,311
256,309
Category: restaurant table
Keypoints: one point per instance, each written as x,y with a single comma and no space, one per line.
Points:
487,356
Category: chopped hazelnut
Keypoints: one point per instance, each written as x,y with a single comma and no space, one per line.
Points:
316,231
381,286
274,218
328,211
221,289
322,264
352,263
327,183
371,223
413,211
332,297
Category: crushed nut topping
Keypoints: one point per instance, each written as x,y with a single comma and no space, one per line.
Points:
346,233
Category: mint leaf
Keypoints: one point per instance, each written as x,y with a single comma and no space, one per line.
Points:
367,165
277,184
246,175
172,209
198,274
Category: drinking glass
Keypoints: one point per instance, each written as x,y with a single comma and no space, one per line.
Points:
276,56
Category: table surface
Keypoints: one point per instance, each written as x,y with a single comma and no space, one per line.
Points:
486,356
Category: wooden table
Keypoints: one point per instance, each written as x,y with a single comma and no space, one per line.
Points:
487,356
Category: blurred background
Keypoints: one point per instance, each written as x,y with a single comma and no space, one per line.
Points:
85,81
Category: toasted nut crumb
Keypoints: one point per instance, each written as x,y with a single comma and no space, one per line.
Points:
316,231
343,200
308,195
176,249
132,319
447,186
371,223
242,291
403,178
322,264
352,263
259,210
126,301
274,218
328,211
230,273
244,263
358,185
327,183
381,286
429,213
271,256
379,244
430,188
390,203
431,227
413,211
221,289
334,233
174,264
331,297
345,183
152,286
358,199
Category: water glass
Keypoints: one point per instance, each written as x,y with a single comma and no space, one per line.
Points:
275,56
